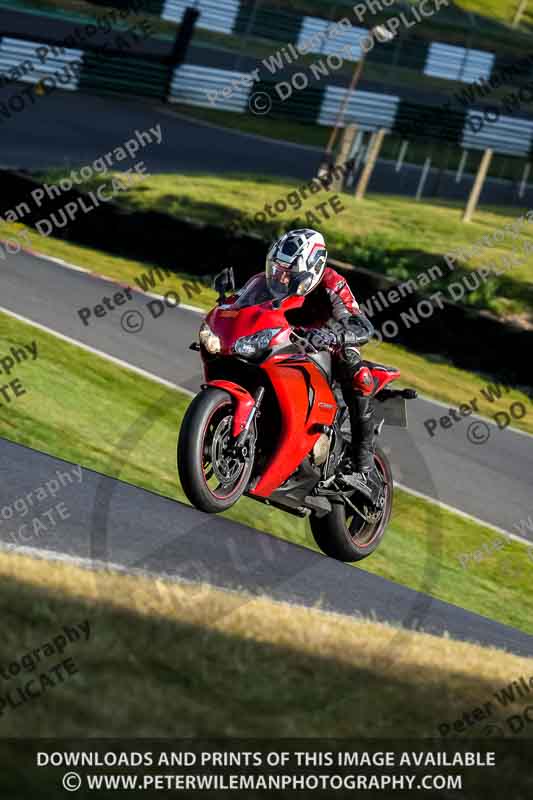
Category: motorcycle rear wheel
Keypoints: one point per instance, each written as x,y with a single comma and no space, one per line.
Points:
346,536
212,475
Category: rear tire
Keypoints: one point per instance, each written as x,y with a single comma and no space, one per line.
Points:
212,478
332,532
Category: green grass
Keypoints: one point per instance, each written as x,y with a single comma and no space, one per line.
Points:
89,411
501,11
393,235
468,23
174,661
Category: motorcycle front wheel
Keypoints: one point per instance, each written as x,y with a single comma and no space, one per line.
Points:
345,535
213,474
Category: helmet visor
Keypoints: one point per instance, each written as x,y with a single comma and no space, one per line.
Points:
279,279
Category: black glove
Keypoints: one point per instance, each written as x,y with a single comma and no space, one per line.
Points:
353,331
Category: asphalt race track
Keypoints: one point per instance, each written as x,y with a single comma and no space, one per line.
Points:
73,128
118,524
489,481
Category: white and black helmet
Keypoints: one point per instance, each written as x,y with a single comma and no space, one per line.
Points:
296,253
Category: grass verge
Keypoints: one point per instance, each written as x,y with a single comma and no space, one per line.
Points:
175,660
393,235
120,269
80,407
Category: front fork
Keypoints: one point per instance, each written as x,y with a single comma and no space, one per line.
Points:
243,435
246,408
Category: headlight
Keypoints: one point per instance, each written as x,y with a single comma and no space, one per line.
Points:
208,339
250,345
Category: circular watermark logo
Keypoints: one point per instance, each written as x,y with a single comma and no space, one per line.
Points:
132,321
260,103
478,432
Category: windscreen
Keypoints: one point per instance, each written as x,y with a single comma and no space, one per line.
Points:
254,292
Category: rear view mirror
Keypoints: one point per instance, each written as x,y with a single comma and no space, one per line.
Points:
224,282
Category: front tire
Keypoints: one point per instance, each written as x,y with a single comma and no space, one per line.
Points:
213,477
348,537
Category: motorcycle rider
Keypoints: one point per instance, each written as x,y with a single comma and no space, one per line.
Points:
331,319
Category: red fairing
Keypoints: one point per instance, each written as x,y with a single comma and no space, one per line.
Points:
244,402
382,376
302,390
230,323
363,381
306,400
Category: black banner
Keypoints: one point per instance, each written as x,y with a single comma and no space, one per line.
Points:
256,768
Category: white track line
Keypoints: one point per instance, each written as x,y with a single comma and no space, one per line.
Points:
136,572
100,353
95,564
462,514
449,406
114,281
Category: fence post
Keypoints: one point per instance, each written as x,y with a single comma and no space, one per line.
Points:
343,155
246,35
184,35
423,178
478,185
181,44
370,164
354,157
461,167
525,178
460,76
401,155
522,5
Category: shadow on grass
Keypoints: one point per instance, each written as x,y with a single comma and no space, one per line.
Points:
182,677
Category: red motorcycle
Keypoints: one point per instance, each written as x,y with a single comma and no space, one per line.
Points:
270,423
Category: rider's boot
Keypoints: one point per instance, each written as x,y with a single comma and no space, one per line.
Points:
362,460
362,425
